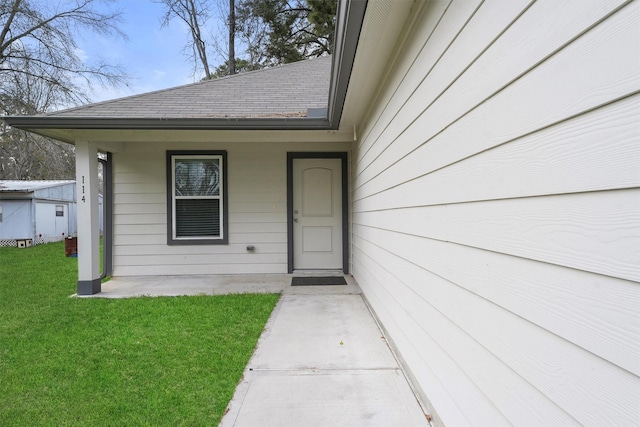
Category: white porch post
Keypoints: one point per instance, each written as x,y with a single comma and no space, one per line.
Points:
88,223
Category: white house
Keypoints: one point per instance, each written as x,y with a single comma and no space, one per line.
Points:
475,165
33,212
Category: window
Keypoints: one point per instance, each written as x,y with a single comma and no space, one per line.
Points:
197,197
59,210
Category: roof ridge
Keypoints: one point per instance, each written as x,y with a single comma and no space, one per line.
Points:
266,69
173,88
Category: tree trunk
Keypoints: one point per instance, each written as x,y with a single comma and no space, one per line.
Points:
200,45
232,37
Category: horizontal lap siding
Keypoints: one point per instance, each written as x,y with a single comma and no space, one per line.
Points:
256,201
496,200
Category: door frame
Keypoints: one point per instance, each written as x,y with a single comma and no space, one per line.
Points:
345,200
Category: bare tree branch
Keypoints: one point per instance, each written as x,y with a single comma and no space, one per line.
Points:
195,14
41,71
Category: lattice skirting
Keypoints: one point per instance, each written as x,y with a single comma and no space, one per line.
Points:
38,241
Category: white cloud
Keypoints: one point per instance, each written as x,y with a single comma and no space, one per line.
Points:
159,74
81,54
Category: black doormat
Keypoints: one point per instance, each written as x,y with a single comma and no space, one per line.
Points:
315,281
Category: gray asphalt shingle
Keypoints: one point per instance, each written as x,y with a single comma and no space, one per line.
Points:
283,91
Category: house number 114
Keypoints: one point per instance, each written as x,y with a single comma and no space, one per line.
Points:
84,200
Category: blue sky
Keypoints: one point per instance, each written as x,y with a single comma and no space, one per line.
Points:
152,55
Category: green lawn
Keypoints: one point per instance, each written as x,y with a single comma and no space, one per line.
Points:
140,361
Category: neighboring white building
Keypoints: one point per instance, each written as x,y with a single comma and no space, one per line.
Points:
483,161
33,212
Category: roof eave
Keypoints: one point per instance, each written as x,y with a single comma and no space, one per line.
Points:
114,123
348,26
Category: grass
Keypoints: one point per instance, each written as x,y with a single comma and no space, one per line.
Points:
140,361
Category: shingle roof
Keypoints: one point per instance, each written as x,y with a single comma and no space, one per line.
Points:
303,96
29,186
283,91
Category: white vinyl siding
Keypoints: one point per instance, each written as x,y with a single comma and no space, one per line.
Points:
496,205
257,200
17,220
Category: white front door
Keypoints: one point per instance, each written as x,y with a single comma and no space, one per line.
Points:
317,214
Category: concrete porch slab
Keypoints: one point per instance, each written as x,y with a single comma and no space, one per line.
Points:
134,286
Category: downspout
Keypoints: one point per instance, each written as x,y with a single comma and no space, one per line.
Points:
107,217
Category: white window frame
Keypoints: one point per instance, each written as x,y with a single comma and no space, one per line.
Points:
172,157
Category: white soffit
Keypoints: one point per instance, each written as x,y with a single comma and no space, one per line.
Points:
384,21
112,140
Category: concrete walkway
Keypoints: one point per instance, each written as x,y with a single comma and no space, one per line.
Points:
321,361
